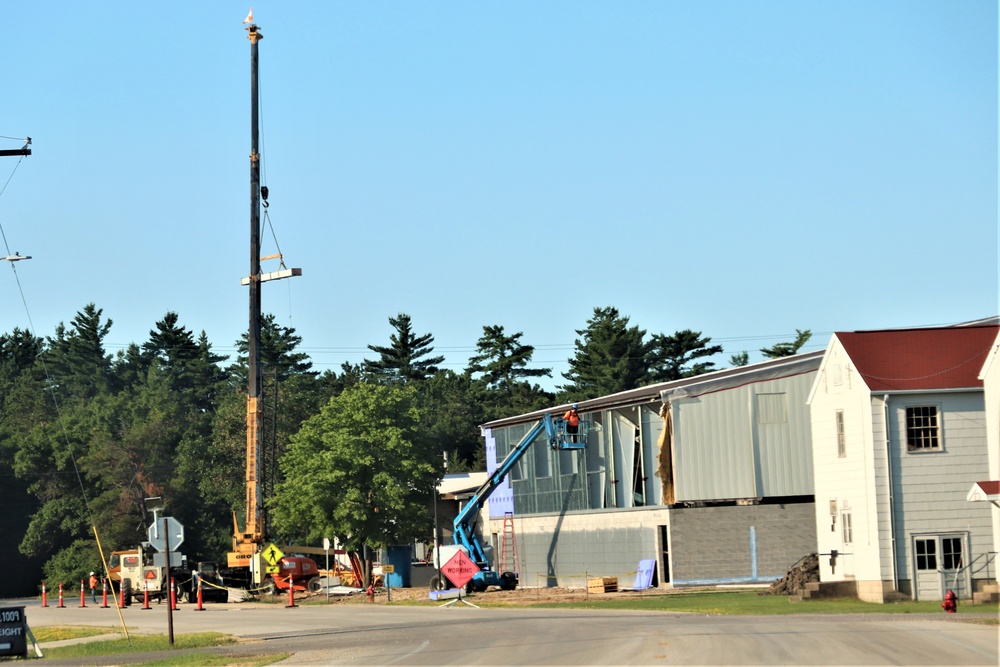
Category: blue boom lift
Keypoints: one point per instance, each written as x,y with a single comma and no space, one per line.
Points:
464,534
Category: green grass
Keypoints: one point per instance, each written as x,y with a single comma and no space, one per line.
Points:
726,603
55,633
140,644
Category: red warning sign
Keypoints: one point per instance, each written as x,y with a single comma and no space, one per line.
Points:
459,569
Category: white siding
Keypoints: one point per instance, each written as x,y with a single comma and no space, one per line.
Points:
991,388
848,481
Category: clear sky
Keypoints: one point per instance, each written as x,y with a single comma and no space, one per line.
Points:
740,168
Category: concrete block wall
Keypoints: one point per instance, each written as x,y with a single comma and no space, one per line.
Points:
739,544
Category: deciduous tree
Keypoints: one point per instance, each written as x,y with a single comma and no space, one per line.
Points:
359,470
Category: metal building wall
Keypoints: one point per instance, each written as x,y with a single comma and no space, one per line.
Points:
565,549
750,441
784,449
617,470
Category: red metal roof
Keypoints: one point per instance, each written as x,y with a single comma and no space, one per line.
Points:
909,359
992,488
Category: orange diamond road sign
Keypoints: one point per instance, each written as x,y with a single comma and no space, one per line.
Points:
459,569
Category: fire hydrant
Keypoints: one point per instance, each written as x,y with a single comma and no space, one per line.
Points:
950,603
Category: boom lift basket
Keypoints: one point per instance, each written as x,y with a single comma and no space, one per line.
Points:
570,441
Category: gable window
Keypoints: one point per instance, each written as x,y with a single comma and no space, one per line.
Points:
841,438
923,431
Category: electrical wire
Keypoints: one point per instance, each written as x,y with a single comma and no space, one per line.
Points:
55,400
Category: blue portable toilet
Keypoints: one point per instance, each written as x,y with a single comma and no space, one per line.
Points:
401,558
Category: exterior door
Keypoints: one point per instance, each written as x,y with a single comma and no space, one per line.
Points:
938,562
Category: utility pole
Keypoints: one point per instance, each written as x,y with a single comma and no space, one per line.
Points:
24,150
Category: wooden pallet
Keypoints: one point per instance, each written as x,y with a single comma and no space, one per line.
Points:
602,585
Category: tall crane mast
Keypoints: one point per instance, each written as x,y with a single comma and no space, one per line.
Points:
247,543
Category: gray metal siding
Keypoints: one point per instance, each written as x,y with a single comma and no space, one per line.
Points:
929,488
652,429
713,448
784,449
726,445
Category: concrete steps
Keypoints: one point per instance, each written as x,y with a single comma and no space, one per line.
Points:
815,590
989,594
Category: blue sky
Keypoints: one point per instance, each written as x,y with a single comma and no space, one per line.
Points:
743,169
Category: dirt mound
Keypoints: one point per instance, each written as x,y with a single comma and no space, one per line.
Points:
804,571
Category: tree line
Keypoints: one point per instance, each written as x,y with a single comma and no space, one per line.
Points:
85,435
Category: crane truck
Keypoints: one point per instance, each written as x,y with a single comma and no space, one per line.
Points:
245,563
464,536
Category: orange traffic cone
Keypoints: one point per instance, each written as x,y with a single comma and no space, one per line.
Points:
83,597
291,593
145,596
45,599
61,605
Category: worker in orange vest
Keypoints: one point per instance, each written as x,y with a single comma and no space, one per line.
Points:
572,419
93,587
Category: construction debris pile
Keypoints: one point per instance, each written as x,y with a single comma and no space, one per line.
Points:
804,571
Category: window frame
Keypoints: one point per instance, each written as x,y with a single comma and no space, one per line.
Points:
841,434
928,555
846,527
923,430
949,555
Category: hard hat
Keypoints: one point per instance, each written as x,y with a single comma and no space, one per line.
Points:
91,574
575,406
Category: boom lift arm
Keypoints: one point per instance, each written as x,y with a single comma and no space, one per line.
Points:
464,533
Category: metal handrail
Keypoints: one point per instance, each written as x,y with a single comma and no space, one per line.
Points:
990,557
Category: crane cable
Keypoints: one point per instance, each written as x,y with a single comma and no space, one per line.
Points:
266,221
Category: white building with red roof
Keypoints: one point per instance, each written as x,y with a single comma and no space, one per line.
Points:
989,488
899,435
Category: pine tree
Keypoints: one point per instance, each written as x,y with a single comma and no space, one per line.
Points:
76,360
672,357
787,349
610,357
503,360
402,360
277,351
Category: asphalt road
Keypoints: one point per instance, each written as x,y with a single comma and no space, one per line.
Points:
460,635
